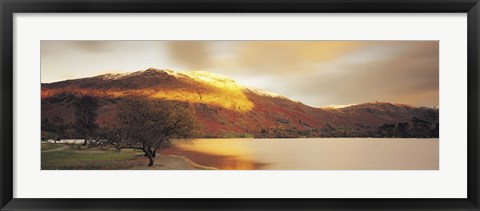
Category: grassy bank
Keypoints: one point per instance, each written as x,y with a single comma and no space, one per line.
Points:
76,157
50,146
71,158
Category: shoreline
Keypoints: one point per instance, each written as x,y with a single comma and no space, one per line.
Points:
171,162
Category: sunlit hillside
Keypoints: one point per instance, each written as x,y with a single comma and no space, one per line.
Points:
193,87
225,108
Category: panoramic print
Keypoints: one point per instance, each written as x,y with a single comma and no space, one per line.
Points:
239,105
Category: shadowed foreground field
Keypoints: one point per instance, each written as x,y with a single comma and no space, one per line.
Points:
51,147
69,157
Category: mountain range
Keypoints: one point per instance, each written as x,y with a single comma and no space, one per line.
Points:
225,108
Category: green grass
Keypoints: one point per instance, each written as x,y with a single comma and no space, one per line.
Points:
51,146
89,159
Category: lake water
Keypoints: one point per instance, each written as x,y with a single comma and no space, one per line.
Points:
313,153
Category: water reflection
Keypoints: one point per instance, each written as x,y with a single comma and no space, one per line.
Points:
216,161
312,154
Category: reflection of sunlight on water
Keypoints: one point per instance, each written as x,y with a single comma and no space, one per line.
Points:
238,149
312,154
235,155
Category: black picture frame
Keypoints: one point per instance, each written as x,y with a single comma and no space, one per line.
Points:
10,7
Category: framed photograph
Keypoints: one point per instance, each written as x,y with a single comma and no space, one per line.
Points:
228,105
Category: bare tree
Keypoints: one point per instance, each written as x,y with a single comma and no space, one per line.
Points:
148,126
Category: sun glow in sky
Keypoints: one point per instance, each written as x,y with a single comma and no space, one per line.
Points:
316,73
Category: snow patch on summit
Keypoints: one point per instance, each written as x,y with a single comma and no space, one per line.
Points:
337,106
209,77
226,82
113,76
265,93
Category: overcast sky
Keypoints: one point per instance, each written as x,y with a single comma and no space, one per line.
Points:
317,73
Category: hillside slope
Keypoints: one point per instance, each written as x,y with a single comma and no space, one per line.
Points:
225,108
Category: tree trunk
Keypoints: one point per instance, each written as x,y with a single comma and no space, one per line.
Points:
151,160
150,157
84,142
154,153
